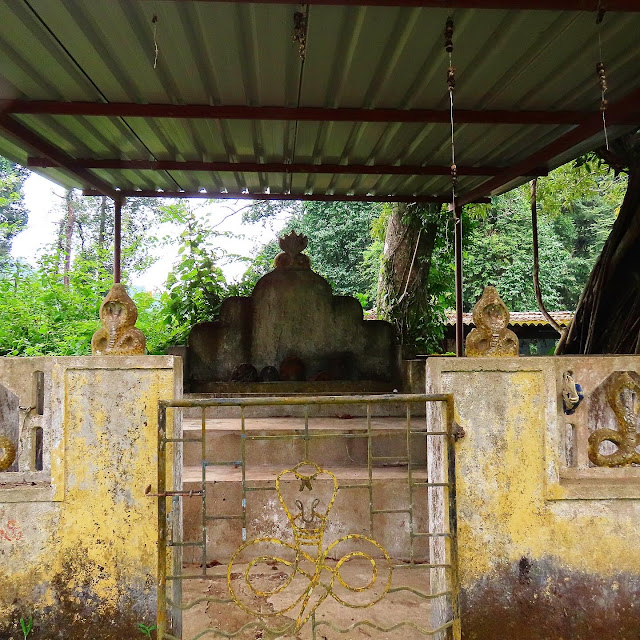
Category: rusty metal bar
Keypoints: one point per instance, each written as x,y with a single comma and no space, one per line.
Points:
42,146
301,114
243,455
629,6
307,197
409,442
311,400
590,126
161,613
117,238
168,494
453,518
370,467
458,281
274,167
203,463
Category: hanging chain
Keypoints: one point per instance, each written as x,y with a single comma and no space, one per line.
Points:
154,21
602,77
300,32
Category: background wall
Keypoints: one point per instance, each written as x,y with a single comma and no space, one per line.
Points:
548,543
78,538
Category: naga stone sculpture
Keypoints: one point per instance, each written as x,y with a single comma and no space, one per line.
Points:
491,338
118,335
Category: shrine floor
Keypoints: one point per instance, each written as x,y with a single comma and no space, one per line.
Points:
402,604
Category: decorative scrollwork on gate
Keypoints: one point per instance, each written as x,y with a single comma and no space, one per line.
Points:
308,574
623,394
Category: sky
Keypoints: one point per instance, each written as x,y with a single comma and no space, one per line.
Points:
43,196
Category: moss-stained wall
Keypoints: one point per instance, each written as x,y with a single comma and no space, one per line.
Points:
546,551
78,547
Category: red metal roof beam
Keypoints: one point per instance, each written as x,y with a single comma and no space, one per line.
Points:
313,114
529,5
316,197
591,126
274,167
61,159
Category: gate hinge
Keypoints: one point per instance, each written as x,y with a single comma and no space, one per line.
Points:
458,432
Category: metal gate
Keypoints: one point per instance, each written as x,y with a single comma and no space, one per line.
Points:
312,550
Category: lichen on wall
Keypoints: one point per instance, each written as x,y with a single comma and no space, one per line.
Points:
535,563
84,566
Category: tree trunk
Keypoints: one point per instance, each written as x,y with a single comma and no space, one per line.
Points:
607,319
103,222
70,219
403,294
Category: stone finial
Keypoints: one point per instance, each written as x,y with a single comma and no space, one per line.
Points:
118,335
491,336
292,246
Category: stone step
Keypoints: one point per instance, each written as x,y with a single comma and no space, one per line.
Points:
280,440
265,516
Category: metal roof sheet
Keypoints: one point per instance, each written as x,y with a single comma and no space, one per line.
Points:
360,57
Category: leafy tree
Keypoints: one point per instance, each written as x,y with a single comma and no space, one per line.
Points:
52,309
196,285
13,211
86,230
500,249
607,318
39,315
416,270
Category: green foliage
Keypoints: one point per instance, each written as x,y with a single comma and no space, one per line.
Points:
501,253
145,630
26,626
196,286
40,316
571,236
587,179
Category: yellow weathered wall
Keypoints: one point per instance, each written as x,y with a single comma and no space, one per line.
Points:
535,560
83,563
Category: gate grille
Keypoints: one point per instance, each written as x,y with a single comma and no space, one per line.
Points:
317,564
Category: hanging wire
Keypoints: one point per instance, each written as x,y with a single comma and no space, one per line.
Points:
451,84
602,75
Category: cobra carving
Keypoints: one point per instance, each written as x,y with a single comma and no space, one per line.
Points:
491,337
623,394
118,335
309,577
8,453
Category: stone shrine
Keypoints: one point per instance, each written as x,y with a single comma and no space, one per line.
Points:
290,329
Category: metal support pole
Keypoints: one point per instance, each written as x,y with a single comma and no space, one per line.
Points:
458,258
117,238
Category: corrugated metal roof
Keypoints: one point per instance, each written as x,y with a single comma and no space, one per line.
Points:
235,53
520,318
